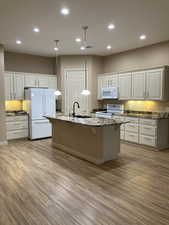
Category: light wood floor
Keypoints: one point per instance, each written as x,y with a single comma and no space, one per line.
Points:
40,185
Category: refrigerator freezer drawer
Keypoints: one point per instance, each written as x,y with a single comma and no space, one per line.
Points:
40,129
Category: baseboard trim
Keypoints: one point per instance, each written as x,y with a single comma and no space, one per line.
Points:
3,142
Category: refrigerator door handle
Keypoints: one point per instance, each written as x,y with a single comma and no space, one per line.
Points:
44,104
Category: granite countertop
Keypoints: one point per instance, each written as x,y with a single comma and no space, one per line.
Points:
94,122
146,115
16,113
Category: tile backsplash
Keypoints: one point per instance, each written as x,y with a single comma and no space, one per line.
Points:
13,105
151,106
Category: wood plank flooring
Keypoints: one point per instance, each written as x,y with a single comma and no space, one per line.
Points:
40,185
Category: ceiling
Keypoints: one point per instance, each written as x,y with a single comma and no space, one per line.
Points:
131,18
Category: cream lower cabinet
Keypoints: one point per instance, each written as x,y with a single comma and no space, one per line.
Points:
17,127
149,132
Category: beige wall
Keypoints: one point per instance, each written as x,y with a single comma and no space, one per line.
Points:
2,98
19,62
94,66
141,58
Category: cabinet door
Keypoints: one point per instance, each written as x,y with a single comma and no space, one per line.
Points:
99,87
9,90
154,84
111,81
125,86
52,82
42,81
30,80
18,86
138,85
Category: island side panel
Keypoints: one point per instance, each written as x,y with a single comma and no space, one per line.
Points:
111,142
79,140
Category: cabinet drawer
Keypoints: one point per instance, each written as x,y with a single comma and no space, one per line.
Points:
17,125
147,140
122,135
132,119
132,137
148,130
17,134
132,127
149,122
16,118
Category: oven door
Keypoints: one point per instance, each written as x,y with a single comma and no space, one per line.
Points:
110,93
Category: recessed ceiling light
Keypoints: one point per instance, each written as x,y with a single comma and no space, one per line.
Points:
82,48
111,26
109,47
56,49
65,11
36,29
78,40
18,42
143,37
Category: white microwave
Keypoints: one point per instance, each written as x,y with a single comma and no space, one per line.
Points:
110,93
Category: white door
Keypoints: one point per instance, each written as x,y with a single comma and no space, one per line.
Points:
52,82
99,87
18,86
42,81
30,81
154,81
125,86
138,85
9,88
74,84
37,103
49,102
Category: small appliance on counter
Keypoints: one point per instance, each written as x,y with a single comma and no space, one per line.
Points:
109,93
111,110
40,102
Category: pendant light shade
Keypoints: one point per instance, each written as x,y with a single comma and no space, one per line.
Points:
85,91
57,92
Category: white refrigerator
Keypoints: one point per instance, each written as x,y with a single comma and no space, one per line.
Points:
40,102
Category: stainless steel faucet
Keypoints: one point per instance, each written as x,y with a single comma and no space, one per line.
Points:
74,104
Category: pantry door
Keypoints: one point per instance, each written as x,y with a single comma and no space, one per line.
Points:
74,84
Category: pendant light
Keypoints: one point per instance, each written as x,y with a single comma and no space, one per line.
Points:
85,91
57,92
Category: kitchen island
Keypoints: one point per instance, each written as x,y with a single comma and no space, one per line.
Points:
94,139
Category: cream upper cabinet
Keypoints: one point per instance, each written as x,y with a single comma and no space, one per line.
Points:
42,81
106,81
18,86
125,86
30,80
52,82
139,85
14,86
9,86
154,84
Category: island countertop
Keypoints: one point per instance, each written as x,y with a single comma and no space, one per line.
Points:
94,122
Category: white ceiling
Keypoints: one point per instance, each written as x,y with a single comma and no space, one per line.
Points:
131,18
